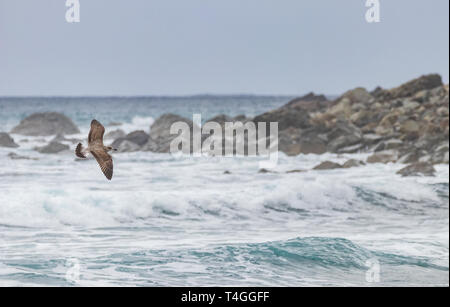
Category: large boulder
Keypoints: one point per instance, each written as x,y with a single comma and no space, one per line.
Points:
127,146
44,124
358,95
52,148
383,157
410,127
327,165
294,141
115,134
7,141
418,169
310,103
344,135
353,163
139,138
161,127
160,137
286,118
295,114
413,87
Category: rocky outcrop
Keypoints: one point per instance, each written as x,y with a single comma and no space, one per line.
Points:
52,148
127,146
309,103
44,124
295,114
286,118
327,165
344,135
413,87
411,120
293,141
406,124
131,142
418,169
158,140
160,136
7,141
115,134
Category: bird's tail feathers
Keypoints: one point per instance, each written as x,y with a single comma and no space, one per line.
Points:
79,151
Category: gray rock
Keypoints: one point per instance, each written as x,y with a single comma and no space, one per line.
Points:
294,141
383,157
127,146
409,105
393,144
44,124
310,103
411,156
361,118
115,134
344,134
413,87
139,138
410,127
371,138
358,95
7,141
327,165
160,132
296,171
352,149
52,148
161,127
266,171
151,146
14,156
418,169
286,118
444,147
221,119
353,163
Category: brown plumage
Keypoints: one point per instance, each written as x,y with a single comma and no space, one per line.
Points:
97,149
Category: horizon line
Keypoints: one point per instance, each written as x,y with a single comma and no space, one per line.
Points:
158,96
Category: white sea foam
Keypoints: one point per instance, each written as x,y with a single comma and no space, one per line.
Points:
158,201
137,123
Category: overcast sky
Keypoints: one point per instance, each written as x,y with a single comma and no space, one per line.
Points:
182,47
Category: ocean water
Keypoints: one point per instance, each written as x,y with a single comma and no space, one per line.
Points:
180,221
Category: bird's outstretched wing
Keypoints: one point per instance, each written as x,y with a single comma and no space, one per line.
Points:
105,161
96,133
79,151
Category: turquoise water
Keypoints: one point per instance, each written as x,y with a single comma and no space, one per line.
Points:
179,221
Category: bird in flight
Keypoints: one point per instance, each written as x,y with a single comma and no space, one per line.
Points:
97,149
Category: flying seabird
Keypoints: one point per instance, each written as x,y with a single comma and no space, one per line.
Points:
97,149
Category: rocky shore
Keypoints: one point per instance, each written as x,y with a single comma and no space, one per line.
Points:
408,124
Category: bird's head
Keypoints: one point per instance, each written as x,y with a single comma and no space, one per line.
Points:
109,148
